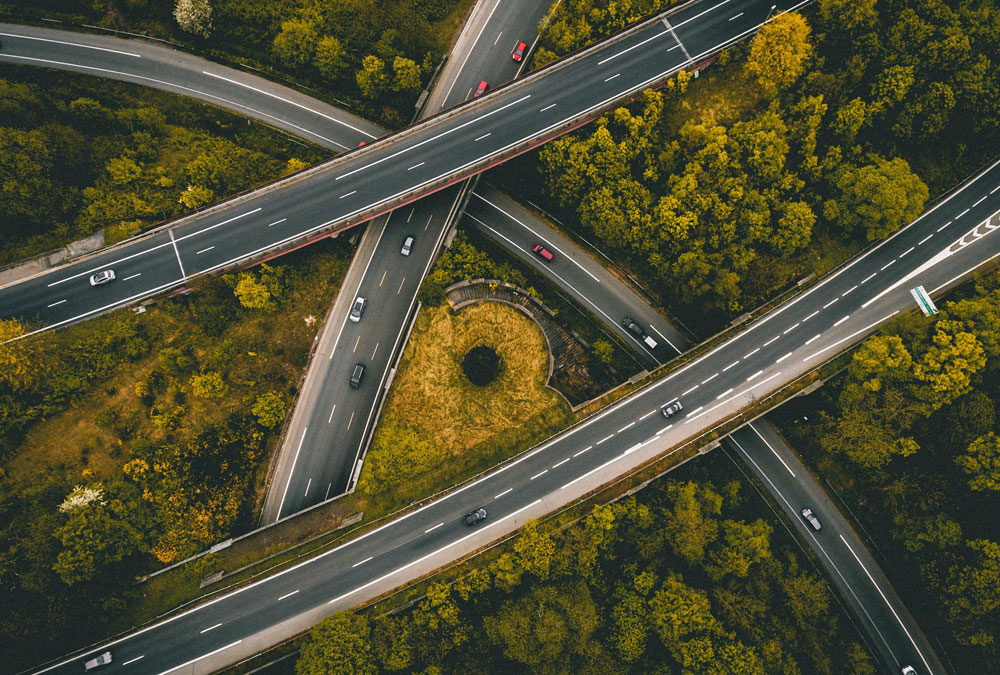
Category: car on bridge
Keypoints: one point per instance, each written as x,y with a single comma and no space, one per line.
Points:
481,89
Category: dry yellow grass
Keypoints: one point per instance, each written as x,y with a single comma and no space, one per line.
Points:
432,395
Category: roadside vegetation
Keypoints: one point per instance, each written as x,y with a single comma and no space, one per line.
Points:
377,56
80,155
133,440
909,436
827,131
693,574
438,427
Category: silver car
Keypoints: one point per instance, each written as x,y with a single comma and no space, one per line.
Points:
672,408
98,661
407,246
102,277
811,519
358,309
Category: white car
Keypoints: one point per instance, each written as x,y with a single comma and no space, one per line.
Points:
812,520
407,246
671,409
358,309
99,660
102,277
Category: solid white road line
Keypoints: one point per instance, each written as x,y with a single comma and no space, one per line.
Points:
888,604
288,595
773,451
203,656
635,46
852,335
291,473
431,554
173,241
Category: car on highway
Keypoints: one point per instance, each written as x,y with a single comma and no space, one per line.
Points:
358,309
543,253
98,661
356,375
813,521
672,408
518,52
909,670
481,89
102,277
632,327
475,517
407,246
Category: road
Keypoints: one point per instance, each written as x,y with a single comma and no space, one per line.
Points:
944,244
384,175
325,438
892,631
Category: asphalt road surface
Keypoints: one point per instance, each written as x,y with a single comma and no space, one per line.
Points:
384,175
943,245
326,448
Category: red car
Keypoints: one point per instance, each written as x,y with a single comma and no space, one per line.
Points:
481,89
518,52
543,252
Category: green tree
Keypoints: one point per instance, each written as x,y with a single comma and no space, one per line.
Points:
678,611
851,117
602,351
546,627
779,52
406,75
745,544
195,196
534,550
208,385
97,533
295,44
269,409
339,644
850,14
691,525
947,367
879,197
372,78
794,230
330,58
981,461
123,171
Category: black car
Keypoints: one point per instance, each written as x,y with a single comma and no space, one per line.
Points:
632,327
476,517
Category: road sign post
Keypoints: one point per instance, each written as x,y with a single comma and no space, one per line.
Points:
924,301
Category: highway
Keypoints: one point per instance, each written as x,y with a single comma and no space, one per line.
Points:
385,175
323,444
944,244
652,320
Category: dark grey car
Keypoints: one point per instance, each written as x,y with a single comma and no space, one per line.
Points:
476,517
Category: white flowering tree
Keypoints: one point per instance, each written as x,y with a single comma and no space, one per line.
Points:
194,16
